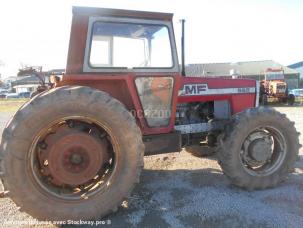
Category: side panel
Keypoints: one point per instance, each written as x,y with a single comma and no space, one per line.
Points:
240,93
123,88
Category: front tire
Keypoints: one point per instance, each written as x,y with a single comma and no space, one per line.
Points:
74,186
258,148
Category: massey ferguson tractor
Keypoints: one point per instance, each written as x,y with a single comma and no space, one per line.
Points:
75,151
274,86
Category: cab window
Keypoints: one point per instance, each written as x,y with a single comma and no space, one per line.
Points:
129,45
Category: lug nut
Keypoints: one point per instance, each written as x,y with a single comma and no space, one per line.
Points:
70,124
42,145
102,135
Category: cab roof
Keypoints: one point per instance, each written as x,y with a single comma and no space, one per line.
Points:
92,11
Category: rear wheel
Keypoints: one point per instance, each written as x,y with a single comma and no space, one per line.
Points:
264,99
258,148
67,154
291,99
284,100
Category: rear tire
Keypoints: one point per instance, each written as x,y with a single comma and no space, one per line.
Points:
231,148
39,112
291,99
284,100
264,100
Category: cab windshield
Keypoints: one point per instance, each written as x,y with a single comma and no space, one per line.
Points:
129,45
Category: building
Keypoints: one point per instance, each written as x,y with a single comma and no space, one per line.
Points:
298,67
8,81
252,69
30,82
25,84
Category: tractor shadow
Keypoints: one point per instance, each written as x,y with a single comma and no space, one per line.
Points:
281,105
204,197
161,191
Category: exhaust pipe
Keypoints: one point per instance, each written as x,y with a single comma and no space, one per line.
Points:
183,47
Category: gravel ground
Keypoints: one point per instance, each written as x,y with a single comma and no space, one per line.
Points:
180,190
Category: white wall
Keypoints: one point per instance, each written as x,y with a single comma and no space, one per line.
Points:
22,89
25,88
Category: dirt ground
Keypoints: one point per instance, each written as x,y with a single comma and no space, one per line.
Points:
180,190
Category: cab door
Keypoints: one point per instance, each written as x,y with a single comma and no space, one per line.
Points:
145,51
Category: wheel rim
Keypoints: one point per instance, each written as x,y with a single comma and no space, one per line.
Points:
73,158
263,151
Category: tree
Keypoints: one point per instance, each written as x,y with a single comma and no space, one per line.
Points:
29,70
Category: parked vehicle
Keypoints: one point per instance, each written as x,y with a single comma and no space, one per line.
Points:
24,94
12,95
298,93
3,91
3,95
76,151
274,86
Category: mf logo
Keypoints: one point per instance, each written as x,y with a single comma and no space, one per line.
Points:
202,89
193,89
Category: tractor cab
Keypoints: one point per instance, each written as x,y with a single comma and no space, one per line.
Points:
122,41
131,55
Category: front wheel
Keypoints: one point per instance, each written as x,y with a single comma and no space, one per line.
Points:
258,148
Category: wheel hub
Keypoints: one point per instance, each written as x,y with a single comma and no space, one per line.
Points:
263,151
260,150
73,157
77,158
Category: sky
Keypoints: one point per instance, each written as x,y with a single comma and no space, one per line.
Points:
34,32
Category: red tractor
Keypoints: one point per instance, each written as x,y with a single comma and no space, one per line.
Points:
76,151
